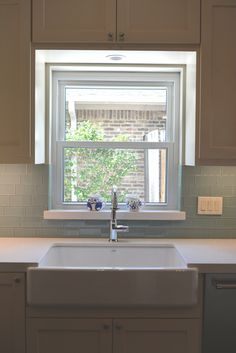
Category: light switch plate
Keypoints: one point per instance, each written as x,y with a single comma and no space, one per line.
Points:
209,205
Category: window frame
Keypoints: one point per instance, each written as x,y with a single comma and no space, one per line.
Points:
62,77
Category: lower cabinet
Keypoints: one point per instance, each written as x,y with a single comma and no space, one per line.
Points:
137,335
69,336
219,322
156,336
12,313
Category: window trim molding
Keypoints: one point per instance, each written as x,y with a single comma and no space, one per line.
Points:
172,202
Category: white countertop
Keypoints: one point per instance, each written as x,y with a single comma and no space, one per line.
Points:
208,255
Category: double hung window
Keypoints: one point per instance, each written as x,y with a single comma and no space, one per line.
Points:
115,125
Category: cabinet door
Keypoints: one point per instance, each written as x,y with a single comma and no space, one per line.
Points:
69,336
158,21
15,130
157,336
74,20
12,313
217,122
219,313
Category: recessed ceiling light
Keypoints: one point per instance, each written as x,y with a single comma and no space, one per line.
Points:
115,57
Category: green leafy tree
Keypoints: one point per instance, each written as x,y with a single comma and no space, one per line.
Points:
95,170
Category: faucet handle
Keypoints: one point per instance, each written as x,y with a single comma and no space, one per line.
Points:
121,228
114,202
114,188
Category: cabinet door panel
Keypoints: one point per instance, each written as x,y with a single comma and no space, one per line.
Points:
219,313
157,336
74,20
69,336
15,131
159,21
217,126
12,313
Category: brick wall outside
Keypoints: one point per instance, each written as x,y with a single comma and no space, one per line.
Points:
135,124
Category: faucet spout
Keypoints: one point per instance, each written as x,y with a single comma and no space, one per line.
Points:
114,227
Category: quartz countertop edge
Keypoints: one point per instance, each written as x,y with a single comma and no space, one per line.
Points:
208,255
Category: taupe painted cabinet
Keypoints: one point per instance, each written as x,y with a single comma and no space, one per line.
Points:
217,124
114,335
15,123
128,21
69,336
156,336
12,313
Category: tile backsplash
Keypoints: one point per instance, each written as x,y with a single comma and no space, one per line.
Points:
24,196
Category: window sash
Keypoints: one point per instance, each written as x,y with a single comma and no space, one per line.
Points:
169,80
59,168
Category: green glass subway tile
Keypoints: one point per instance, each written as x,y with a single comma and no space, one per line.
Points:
6,232
188,179
72,223
222,190
234,190
95,224
32,222
198,190
54,232
37,170
205,180
16,169
90,232
7,189
188,190
34,211
210,170
24,232
9,179
27,190
190,211
40,200
230,202
202,233
4,200
14,211
229,212
160,233
31,180
9,221
188,170
227,180
199,221
226,222
52,223
189,201
20,200
229,171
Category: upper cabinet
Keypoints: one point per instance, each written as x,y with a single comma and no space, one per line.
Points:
217,122
158,21
74,20
128,21
15,130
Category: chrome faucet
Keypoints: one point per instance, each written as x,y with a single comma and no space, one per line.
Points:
114,227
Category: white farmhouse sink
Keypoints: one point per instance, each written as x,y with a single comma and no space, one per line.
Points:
113,257
112,275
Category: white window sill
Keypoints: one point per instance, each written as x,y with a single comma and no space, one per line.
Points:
142,215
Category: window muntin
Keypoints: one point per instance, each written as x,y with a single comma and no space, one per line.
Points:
159,146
